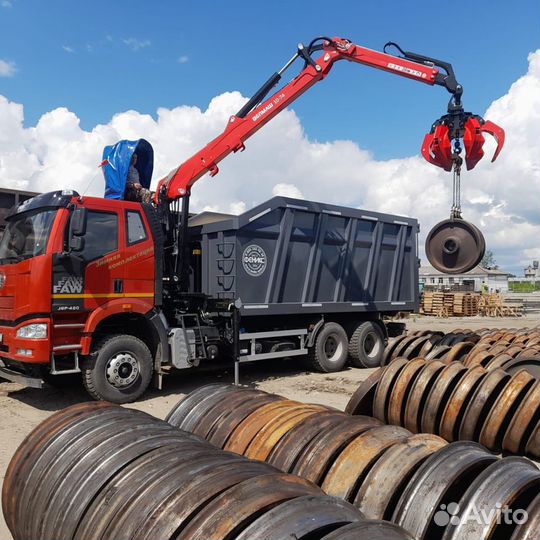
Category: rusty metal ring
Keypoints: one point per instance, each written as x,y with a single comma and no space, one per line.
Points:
504,408
24,455
459,351
431,342
302,517
234,509
369,530
402,389
474,351
350,467
131,499
213,417
438,396
285,453
533,444
221,432
361,402
501,485
376,497
457,403
81,479
184,406
413,349
498,361
384,388
53,455
389,350
531,528
207,404
266,439
523,421
499,348
191,493
319,455
479,359
245,432
402,346
419,393
442,478
480,404
438,352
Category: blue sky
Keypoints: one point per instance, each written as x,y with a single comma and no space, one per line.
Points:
99,58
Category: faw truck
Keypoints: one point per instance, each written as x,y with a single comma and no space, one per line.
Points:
124,293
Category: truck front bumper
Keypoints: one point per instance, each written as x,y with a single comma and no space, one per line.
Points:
19,377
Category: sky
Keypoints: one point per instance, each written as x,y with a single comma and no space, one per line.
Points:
75,76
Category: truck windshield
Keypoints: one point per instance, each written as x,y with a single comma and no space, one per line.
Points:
26,235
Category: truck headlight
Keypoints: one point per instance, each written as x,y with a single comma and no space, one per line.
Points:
33,331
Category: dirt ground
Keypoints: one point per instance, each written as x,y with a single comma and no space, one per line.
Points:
23,408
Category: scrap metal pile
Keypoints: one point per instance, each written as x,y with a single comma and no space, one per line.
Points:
480,386
238,463
386,471
97,470
508,348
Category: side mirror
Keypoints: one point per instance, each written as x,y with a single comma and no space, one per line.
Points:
77,224
77,229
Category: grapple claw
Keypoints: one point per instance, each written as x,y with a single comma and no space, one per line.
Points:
447,131
473,139
437,147
497,132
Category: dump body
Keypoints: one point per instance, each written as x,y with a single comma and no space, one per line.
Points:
290,256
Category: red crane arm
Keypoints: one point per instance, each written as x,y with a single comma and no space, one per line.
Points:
256,113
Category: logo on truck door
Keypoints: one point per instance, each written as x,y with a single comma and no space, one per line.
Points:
254,260
68,285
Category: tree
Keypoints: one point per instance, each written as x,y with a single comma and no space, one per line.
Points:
488,260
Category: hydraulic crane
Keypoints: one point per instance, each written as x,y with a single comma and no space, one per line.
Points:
454,249
92,285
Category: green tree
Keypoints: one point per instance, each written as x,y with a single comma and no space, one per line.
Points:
488,260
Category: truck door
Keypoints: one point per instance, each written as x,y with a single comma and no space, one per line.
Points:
89,278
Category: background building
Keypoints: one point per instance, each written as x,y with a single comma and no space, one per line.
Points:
478,279
9,198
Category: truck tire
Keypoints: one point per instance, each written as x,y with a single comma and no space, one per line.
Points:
119,370
366,346
329,352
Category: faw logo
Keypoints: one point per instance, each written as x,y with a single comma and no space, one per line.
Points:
68,285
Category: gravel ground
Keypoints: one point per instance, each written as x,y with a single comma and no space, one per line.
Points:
23,408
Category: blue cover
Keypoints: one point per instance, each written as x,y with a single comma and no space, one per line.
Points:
115,165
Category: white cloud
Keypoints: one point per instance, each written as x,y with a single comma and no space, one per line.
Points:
7,68
287,190
184,59
68,49
6,4
501,198
136,44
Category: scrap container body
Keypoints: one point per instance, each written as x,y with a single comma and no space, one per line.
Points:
290,256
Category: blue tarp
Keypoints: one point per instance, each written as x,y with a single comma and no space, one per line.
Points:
116,161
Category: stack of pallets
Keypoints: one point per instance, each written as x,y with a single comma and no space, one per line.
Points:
432,303
493,305
450,304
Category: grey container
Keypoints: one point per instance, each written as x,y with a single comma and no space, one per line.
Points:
289,256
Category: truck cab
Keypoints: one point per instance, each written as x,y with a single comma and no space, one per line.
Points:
73,268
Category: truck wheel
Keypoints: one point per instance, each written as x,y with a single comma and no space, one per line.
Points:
329,352
366,345
119,370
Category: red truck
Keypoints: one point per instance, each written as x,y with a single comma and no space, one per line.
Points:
121,291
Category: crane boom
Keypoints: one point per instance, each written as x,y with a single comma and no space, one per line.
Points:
258,111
